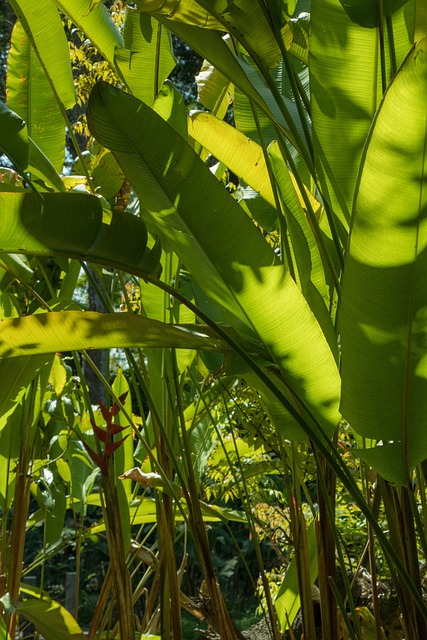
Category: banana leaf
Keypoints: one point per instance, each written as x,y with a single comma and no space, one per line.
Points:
43,25
213,90
240,154
50,618
30,95
384,312
73,330
306,253
366,13
96,23
218,243
14,138
346,89
242,18
146,59
72,225
212,46
24,153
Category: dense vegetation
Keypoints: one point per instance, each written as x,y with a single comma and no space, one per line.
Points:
228,431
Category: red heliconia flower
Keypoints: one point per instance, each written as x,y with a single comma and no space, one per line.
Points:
106,435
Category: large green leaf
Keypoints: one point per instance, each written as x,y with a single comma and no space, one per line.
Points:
72,225
384,309
146,61
247,78
15,377
244,19
306,253
123,456
366,12
51,619
213,89
211,46
238,152
30,95
346,88
74,330
185,11
95,21
24,153
261,127
14,138
219,244
43,25
244,157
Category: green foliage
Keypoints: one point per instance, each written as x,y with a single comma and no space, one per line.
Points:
263,276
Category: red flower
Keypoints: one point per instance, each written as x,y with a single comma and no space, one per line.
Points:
106,435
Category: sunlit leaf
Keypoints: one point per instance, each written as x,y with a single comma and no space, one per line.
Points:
30,95
287,602
23,151
58,375
243,19
72,225
346,89
96,23
50,618
306,252
123,457
366,13
219,244
43,24
213,89
146,59
74,330
238,152
14,137
383,316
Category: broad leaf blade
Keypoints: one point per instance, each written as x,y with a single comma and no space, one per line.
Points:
14,138
146,61
211,46
287,602
307,257
242,18
213,89
43,24
51,619
23,152
40,166
30,95
345,76
383,318
240,154
71,225
96,23
15,377
219,244
76,330
366,13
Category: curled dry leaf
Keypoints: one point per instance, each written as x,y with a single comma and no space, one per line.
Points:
146,479
144,554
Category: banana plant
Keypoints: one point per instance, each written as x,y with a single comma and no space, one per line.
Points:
309,279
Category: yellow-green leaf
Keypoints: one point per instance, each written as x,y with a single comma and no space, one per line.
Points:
50,618
384,309
74,330
30,94
58,375
43,25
